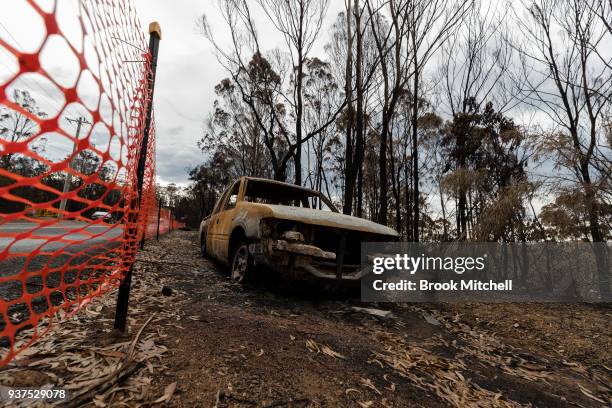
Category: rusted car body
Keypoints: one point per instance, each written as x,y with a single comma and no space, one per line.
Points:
289,229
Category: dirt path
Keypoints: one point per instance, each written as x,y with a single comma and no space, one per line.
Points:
226,345
249,346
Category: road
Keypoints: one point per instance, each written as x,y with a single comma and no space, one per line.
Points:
49,256
54,237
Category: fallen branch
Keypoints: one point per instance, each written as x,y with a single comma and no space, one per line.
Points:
126,368
118,376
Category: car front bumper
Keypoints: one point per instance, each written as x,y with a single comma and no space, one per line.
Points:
299,260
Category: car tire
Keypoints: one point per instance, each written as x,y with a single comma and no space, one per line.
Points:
241,267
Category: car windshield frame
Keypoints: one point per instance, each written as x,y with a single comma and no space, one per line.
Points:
290,189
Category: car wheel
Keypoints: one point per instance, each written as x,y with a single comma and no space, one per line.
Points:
242,264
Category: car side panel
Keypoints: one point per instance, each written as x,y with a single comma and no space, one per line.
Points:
221,226
225,226
214,239
203,231
212,229
227,222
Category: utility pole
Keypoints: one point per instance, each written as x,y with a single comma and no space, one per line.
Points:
68,179
123,296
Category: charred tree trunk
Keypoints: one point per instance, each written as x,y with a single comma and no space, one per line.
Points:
415,154
353,169
349,183
360,193
382,169
443,207
298,121
408,199
600,247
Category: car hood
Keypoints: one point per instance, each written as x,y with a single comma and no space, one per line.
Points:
326,218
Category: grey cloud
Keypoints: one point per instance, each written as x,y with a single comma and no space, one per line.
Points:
187,73
172,165
173,131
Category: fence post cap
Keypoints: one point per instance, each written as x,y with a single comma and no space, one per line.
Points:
155,28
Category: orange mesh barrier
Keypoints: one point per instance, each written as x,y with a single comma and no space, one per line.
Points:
165,219
174,224
161,217
72,118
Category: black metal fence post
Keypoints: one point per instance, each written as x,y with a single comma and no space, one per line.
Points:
123,296
159,206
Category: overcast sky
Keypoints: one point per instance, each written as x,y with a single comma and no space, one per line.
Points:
187,73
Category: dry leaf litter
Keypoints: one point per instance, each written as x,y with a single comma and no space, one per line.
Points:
75,354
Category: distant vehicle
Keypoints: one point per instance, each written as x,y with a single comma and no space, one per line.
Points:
290,229
102,215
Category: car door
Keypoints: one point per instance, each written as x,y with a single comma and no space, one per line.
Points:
212,229
221,223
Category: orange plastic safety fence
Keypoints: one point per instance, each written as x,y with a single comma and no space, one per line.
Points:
161,219
73,100
174,224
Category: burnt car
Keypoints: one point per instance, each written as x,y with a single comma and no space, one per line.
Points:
292,230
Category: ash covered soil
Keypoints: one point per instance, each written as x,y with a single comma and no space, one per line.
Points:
253,346
216,343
